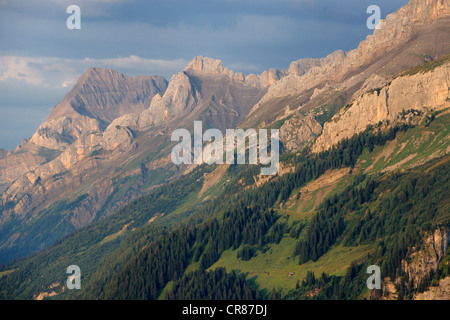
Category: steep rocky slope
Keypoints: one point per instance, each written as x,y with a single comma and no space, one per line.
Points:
412,35
107,142
98,97
299,131
205,89
424,92
138,226
109,139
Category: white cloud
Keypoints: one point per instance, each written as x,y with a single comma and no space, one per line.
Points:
66,83
61,72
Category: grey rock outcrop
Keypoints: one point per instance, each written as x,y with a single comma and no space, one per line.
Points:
299,131
59,133
180,98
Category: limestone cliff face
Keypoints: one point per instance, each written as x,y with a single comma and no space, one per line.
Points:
99,97
422,91
180,98
420,263
338,67
427,259
426,10
212,66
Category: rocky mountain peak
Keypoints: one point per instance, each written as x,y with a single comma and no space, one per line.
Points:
206,65
98,98
99,75
106,94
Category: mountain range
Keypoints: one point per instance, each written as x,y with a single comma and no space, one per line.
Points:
95,185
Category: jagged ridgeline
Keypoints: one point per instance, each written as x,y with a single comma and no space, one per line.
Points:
363,180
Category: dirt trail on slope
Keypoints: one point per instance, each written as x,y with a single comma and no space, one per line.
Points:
213,178
386,152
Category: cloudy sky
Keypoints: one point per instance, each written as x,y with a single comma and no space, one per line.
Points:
40,58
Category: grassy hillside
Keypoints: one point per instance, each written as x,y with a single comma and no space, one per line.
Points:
215,217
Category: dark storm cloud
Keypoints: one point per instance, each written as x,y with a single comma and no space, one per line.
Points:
170,29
